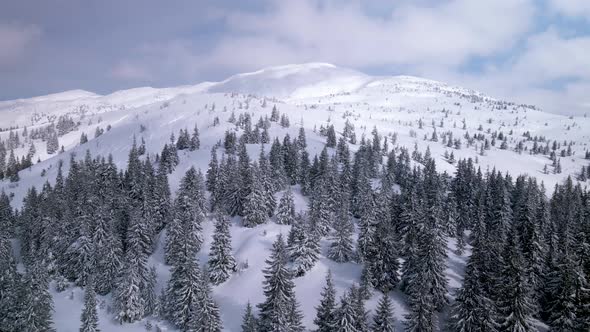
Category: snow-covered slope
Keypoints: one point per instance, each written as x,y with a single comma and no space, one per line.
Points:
311,95
308,80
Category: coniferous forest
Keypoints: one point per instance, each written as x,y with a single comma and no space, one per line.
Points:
386,209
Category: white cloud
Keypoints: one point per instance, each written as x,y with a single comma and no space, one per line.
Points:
130,71
14,39
552,71
550,56
435,39
573,8
446,33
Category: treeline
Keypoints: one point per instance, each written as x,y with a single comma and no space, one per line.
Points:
97,226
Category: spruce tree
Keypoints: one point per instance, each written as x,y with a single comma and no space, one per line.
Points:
515,307
383,320
208,318
249,321
183,294
345,319
342,247
221,261
254,206
9,284
195,142
267,183
366,285
422,316
473,310
279,292
35,301
358,302
129,302
325,312
367,233
89,315
286,208
303,248
188,216
108,251
331,137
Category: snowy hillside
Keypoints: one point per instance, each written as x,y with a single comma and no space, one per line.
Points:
314,94
416,114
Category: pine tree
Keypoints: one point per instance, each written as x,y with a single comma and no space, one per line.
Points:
422,312
562,287
254,208
366,285
221,261
12,168
367,233
108,251
249,321
382,262
301,139
208,318
303,248
267,183
35,301
345,316
325,312
358,302
248,180
183,141
149,291
286,208
331,137
473,310
321,210
9,284
515,305
195,142
342,248
183,294
129,302
383,320
89,315
279,292
52,143
188,217
212,179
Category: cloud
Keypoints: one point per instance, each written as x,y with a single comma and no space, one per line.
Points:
530,51
572,8
550,56
14,40
129,71
551,71
446,33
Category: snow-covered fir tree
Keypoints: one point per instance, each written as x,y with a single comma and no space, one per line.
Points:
325,311
89,316
279,311
221,260
249,321
286,208
383,320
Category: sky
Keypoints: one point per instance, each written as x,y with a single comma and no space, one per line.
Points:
529,51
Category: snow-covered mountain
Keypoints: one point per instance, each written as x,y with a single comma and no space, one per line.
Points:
392,104
295,83
412,112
